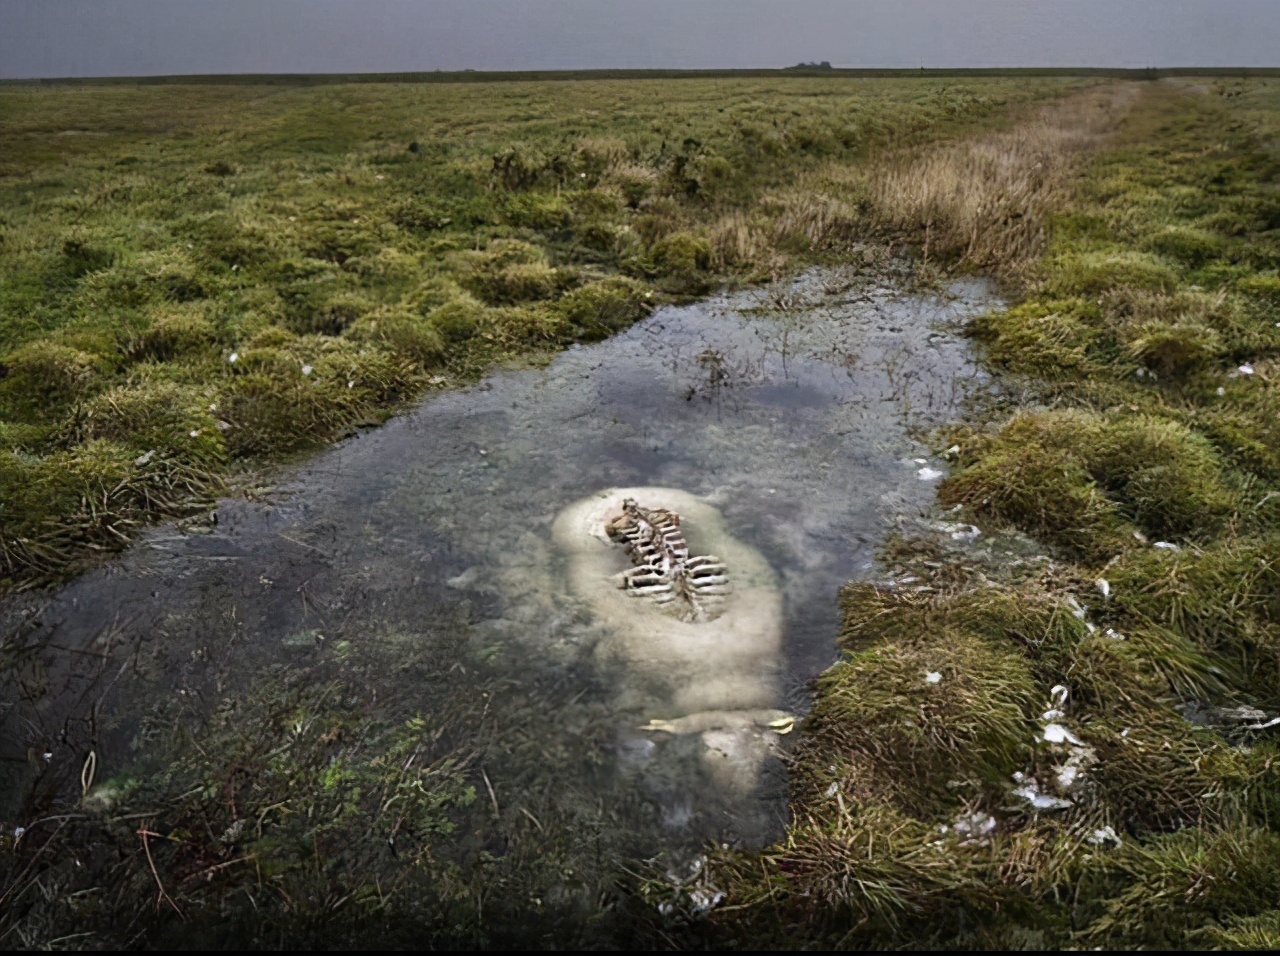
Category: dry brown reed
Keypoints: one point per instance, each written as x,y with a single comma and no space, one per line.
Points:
984,201
814,220
737,241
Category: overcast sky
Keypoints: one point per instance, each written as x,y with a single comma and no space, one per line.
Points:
50,38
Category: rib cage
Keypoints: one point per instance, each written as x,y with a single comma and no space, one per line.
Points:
691,587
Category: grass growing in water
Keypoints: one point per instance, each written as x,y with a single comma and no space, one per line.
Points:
197,279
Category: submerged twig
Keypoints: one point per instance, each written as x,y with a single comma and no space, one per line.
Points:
492,796
88,772
144,835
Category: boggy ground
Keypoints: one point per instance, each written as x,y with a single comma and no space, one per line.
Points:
148,361
199,280
1080,751
1044,753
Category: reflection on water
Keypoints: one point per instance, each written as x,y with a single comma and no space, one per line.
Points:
795,426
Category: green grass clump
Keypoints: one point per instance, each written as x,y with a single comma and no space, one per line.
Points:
391,232
510,271
974,722
1173,350
291,395
1048,339
43,377
1187,887
1186,245
1093,273
402,331
1085,482
1224,599
1147,338
599,309
1034,474
155,417
60,509
458,320
174,335
685,259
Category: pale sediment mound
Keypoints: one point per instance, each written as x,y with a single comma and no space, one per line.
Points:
713,676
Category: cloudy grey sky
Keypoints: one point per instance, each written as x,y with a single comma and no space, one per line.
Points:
48,38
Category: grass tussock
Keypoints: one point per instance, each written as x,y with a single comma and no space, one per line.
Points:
313,258
1088,482
952,709
1080,751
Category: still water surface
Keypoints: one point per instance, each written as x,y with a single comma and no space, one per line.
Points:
791,411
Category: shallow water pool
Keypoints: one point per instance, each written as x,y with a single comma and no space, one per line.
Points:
790,410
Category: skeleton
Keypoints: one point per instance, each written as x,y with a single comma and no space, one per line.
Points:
691,587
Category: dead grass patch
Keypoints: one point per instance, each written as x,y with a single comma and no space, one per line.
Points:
985,201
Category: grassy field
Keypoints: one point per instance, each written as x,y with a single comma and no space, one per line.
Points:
1077,752
1059,753
196,279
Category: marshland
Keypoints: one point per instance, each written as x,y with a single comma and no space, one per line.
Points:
297,382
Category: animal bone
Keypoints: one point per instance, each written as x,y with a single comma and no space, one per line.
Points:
664,571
